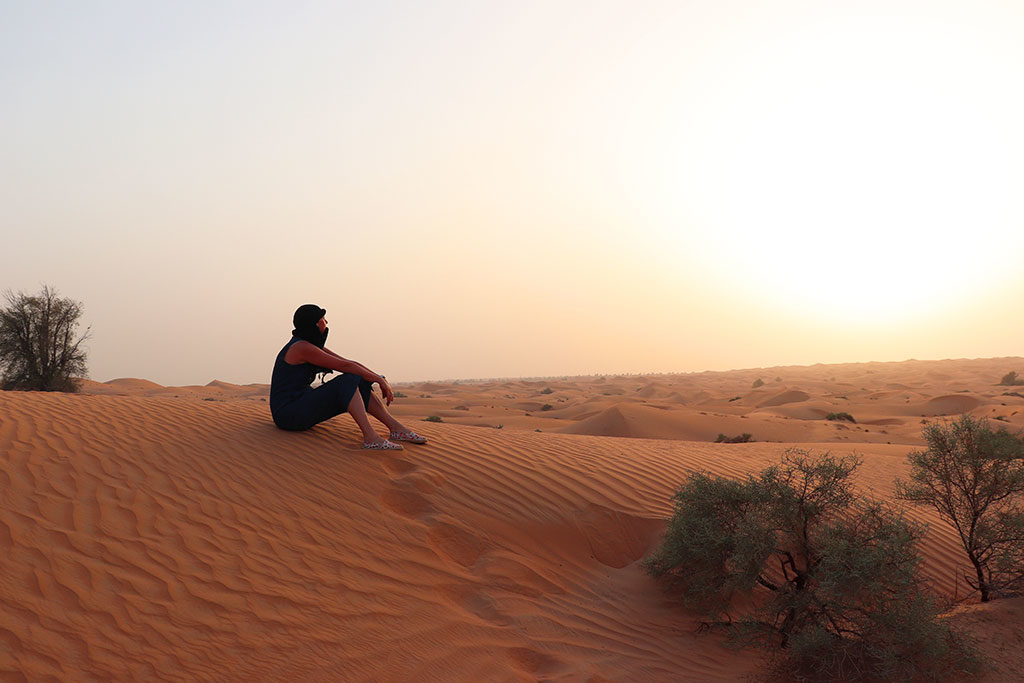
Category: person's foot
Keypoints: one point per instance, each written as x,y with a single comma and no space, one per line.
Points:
407,435
382,445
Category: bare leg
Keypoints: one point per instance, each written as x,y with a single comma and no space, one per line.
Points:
380,411
358,413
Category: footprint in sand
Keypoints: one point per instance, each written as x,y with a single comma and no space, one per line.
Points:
397,467
407,495
403,470
475,603
455,543
534,662
404,501
408,498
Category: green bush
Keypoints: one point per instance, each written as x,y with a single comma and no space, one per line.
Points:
757,383
547,390
833,577
973,476
840,416
433,418
546,406
1010,380
742,438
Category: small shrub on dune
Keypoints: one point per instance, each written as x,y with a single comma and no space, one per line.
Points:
840,416
757,383
399,394
830,579
1010,380
433,418
546,406
547,390
742,438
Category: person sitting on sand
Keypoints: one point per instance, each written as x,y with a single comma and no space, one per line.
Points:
296,406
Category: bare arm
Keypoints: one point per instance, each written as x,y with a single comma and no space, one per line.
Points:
361,372
304,352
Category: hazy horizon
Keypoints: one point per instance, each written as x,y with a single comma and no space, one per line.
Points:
537,189
626,374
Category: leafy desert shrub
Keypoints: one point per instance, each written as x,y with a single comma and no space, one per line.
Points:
757,383
399,394
973,476
840,416
433,418
547,390
793,560
742,438
546,406
1010,380
735,398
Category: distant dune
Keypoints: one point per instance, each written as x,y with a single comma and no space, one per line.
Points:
174,533
784,398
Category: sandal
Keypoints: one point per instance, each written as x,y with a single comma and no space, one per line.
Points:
410,436
382,445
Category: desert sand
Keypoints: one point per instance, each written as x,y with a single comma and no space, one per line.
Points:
155,532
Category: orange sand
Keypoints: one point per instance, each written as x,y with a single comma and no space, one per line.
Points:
173,532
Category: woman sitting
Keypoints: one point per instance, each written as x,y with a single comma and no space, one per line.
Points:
296,406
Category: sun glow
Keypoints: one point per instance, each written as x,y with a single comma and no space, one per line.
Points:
868,178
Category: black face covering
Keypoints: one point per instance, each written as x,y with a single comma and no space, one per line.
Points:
312,334
305,319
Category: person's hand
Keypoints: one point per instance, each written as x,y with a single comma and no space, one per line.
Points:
385,389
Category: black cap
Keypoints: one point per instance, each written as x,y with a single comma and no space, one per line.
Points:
307,315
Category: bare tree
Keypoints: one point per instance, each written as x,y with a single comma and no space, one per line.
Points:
38,345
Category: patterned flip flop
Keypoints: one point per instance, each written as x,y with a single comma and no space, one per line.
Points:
382,445
410,436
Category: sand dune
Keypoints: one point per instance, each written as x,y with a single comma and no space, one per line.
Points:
173,532
784,398
149,538
887,400
951,405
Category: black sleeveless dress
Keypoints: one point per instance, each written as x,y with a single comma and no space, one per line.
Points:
296,406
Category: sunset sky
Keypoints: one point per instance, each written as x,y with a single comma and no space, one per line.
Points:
500,189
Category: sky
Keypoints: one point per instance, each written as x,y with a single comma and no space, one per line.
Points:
511,189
